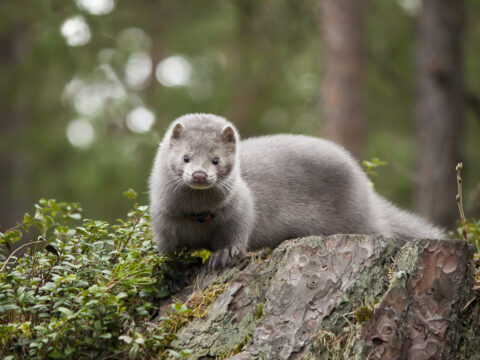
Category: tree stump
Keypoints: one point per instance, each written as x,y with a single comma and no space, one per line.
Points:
339,297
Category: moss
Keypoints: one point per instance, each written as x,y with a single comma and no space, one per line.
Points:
326,342
226,276
260,255
363,313
234,350
259,311
199,301
195,307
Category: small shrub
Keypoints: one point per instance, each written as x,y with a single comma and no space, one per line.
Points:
84,289
472,231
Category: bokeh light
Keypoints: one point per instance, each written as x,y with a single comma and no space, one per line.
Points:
134,39
96,7
140,120
138,70
76,31
80,133
411,7
174,71
90,97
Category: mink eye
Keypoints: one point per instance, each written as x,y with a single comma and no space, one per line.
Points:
186,158
215,161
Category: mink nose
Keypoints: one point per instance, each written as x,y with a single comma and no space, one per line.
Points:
199,177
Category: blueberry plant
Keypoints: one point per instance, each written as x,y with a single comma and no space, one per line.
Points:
84,289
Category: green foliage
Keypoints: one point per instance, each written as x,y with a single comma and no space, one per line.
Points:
85,289
372,166
472,229
203,254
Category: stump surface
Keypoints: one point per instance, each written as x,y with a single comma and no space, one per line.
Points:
340,297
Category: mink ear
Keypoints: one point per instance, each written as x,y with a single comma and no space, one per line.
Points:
177,131
228,135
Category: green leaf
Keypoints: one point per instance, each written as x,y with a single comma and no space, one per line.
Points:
75,216
175,354
126,338
131,194
186,352
67,312
140,340
121,295
56,355
180,308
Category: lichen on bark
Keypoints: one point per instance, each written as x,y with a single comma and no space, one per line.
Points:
419,316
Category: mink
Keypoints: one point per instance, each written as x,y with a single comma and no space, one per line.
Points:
209,189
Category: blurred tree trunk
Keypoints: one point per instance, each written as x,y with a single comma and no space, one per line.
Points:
342,87
438,108
244,92
13,118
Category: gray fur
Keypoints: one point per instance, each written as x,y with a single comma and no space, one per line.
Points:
263,191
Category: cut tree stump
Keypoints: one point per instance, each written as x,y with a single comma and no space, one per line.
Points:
340,297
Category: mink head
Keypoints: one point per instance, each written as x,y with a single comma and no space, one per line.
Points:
202,150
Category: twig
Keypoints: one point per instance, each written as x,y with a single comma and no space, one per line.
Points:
18,226
469,303
460,200
16,250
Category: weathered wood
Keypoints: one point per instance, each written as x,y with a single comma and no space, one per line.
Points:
302,302
419,316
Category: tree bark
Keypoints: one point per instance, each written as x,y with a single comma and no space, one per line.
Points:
438,108
14,118
343,73
244,91
313,299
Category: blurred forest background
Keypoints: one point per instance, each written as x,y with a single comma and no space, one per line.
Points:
87,88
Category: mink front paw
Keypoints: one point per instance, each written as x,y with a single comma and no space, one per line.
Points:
223,257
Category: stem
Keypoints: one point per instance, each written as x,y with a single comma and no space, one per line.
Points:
460,200
16,250
18,226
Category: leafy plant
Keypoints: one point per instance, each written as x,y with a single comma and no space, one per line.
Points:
468,230
84,289
371,166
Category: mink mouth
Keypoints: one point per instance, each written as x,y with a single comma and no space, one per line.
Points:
197,186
